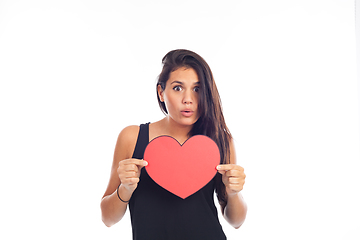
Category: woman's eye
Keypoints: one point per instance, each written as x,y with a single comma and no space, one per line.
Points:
196,89
177,88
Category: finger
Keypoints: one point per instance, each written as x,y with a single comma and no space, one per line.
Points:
129,168
138,162
233,173
233,180
131,174
235,187
130,181
127,171
132,161
226,167
143,164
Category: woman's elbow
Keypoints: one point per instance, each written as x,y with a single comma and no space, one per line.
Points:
106,219
238,226
107,222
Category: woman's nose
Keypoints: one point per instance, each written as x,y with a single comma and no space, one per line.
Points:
188,97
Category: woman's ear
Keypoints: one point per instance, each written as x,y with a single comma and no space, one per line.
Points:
160,93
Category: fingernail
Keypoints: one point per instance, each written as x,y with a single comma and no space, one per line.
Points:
145,163
218,167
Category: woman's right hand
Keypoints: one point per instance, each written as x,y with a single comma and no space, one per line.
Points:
129,173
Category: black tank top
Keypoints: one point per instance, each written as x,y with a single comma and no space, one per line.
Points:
157,214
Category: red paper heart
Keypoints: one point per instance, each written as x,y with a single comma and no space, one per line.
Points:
182,169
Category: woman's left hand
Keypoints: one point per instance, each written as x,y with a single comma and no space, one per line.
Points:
233,177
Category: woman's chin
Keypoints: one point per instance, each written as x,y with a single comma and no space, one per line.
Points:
187,121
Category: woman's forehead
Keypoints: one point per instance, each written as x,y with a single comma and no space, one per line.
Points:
184,75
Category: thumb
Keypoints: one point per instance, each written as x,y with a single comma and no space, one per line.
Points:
143,163
140,163
219,168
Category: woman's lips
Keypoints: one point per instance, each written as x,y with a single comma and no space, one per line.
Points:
187,113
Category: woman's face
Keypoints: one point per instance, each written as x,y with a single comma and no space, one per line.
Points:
181,96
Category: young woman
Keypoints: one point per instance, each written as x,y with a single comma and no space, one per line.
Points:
188,96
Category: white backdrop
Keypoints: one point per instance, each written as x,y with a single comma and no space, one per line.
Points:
74,73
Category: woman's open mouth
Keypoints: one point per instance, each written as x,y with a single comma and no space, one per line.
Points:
187,113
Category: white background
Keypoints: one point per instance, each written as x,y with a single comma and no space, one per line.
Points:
74,73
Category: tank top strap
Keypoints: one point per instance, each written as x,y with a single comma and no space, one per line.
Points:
142,141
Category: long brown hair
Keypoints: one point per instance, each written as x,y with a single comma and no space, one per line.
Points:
211,121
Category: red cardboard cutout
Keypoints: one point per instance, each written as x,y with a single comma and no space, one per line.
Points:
182,169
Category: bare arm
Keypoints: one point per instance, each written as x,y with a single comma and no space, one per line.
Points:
125,171
233,177
235,210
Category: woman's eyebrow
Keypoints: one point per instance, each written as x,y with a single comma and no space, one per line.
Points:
181,83
177,82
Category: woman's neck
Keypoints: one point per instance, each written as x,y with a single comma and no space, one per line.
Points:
178,131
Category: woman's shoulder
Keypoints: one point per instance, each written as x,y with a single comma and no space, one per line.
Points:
127,140
130,129
129,133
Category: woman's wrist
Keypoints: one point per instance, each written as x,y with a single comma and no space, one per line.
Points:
123,194
230,193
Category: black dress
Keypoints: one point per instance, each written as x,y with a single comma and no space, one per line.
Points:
157,214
